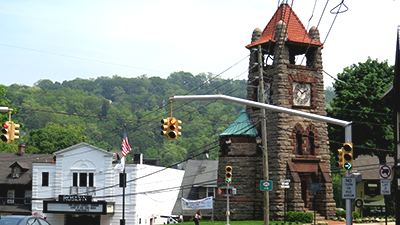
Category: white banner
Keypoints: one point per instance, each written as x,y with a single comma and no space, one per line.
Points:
205,203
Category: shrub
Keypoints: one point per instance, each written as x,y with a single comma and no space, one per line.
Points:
301,217
341,213
356,215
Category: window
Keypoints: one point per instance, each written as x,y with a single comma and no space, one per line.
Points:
16,172
85,179
28,197
45,178
33,221
210,192
90,179
311,145
372,188
82,179
75,179
122,179
299,143
43,222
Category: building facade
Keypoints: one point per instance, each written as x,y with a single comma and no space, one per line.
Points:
83,187
298,148
16,181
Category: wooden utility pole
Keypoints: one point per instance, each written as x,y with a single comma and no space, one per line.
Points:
263,134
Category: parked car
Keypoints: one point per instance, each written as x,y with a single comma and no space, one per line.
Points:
22,220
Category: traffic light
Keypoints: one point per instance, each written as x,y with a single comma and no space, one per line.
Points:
222,190
348,156
228,174
5,136
165,127
14,132
174,128
227,191
339,158
171,128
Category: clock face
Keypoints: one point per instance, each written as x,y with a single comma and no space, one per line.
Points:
301,94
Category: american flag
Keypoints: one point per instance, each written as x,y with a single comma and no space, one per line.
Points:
125,145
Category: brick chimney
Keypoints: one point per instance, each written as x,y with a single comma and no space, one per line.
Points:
21,149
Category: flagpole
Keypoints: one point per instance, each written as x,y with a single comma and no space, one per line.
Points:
125,150
123,197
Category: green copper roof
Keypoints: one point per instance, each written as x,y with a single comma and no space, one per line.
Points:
242,126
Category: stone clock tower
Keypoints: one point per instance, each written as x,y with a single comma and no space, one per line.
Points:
297,147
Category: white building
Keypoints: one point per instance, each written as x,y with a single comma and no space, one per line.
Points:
82,187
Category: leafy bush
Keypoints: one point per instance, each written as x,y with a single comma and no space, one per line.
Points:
356,215
301,217
341,213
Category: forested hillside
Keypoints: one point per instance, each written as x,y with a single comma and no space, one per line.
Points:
57,115
140,103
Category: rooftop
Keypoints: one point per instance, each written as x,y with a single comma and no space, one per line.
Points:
296,32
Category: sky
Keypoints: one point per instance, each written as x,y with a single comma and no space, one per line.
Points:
65,40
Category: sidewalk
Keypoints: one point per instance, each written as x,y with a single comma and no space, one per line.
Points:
331,222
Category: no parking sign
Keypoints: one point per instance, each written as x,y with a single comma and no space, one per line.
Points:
385,172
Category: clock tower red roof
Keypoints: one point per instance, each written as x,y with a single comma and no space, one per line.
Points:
296,32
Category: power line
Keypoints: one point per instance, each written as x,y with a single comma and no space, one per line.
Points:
82,58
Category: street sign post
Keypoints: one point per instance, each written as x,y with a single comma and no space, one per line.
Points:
386,187
348,188
285,183
266,185
385,172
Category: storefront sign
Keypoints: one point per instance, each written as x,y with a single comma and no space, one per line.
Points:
77,207
75,198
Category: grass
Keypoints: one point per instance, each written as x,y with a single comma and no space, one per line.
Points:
244,222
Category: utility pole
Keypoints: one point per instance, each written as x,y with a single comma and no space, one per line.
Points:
264,135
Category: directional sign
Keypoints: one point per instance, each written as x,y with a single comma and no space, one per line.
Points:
285,183
385,187
348,187
385,172
266,185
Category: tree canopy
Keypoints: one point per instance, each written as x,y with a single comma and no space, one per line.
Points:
57,115
357,99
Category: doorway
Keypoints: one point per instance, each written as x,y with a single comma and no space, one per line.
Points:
306,180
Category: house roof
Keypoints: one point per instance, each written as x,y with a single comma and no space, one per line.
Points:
80,145
198,173
368,166
24,161
296,32
242,126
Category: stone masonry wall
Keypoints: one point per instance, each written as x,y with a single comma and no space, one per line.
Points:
247,204
280,142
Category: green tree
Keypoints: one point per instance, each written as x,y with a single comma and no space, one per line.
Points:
54,137
357,99
329,95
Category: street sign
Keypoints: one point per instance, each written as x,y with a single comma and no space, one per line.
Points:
385,172
266,185
385,187
314,187
285,183
348,188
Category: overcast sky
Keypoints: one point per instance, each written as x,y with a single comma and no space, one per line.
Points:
64,40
